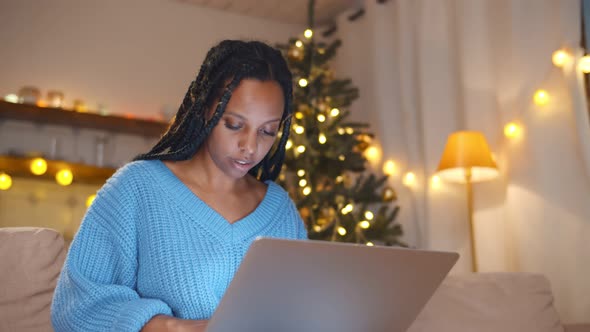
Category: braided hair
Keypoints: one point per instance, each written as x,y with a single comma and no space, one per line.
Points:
233,61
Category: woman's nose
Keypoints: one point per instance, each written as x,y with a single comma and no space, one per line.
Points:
248,143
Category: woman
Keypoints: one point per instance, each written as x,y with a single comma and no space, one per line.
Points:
163,238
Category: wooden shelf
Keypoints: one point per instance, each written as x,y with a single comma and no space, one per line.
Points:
19,167
58,116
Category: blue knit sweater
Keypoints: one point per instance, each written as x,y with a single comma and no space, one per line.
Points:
148,246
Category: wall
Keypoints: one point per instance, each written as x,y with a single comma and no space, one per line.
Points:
132,56
428,68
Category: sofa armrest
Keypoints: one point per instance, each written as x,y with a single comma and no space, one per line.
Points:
577,327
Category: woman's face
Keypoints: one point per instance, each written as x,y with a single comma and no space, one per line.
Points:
248,127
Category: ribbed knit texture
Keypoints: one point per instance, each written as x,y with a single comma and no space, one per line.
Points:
148,246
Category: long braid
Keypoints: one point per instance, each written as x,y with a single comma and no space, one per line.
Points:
229,61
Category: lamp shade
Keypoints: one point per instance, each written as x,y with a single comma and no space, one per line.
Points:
467,155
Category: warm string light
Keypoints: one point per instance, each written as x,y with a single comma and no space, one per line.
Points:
409,179
541,97
435,182
334,112
512,130
584,64
342,231
301,173
321,118
372,154
308,33
369,215
299,43
302,82
322,139
364,224
389,168
306,191
90,199
289,144
347,209
5,181
38,166
64,177
560,58
299,129
301,149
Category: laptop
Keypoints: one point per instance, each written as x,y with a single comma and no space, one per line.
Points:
306,285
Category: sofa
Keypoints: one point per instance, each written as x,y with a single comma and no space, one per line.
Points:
31,259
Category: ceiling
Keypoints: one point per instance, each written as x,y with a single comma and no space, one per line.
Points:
287,11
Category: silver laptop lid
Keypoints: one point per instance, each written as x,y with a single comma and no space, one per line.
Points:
305,285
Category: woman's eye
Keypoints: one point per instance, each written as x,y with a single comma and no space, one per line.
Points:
232,126
269,132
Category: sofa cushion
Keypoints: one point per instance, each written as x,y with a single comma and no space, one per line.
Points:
30,262
491,302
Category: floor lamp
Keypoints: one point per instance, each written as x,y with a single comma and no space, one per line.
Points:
467,159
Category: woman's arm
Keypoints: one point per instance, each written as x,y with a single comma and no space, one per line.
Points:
96,288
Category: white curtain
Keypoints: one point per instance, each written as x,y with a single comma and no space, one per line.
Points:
427,68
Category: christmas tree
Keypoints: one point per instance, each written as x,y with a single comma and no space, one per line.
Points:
325,164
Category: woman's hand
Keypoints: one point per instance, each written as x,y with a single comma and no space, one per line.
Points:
163,323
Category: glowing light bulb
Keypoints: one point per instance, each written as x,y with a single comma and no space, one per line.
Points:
584,64
435,182
347,209
512,130
301,149
370,244
369,215
349,130
64,177
299,43
301,172
560,57
299,115
303,82
341,157
341,231
334,112
364,224
409,179
5,181
339,179
308,33
389,168
306,191
541,97
372,153
302,183
289,144
341,131
90,199
38,166
321,118
299,129
322,139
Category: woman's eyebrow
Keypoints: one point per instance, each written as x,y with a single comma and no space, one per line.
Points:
244,119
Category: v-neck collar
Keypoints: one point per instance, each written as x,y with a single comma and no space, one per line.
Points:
248,226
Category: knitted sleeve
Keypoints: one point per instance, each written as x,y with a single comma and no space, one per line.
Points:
95,291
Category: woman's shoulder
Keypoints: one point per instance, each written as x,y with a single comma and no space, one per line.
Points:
134,172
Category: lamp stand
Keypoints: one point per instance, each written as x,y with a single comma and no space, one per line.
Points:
470,215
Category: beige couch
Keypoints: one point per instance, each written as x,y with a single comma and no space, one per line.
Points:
30,260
